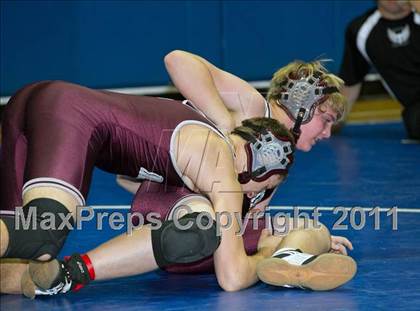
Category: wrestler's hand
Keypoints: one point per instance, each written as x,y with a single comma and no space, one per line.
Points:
339,245
268,241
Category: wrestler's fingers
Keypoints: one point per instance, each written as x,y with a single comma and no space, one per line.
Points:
349,244
342,240
341,249
345,242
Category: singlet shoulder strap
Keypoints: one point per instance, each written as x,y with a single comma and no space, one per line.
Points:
267,113
172,149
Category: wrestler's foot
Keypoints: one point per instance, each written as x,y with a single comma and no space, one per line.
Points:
27,286
57,277
44,278
323,272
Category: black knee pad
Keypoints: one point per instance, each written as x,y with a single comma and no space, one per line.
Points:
32,242
173,245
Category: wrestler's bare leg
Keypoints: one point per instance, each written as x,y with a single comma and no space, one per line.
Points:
135,252
124,255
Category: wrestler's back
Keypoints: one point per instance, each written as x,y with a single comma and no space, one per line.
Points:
68,129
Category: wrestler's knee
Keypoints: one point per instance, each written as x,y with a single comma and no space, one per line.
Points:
189,234
188,239
38,230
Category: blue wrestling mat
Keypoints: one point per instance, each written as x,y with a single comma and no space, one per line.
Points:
365,166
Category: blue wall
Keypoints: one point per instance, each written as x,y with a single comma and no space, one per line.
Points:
122,43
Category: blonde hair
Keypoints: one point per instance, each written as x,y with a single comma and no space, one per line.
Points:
299,69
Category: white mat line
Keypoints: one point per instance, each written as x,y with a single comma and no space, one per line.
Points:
110,207
276,208
331,208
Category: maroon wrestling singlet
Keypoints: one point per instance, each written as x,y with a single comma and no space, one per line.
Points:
54,133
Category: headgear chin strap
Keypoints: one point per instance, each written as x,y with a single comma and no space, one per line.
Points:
267,155
301,96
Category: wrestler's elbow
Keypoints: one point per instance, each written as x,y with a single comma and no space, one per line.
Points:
173,58
230,283
230,279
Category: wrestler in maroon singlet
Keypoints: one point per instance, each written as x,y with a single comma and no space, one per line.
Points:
54,133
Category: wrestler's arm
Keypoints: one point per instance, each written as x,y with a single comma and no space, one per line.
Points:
235,270
218,94
217,179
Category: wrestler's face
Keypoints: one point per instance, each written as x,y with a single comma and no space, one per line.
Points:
316,129
252,188
394,6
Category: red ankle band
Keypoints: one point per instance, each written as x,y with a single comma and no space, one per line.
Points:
89,266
